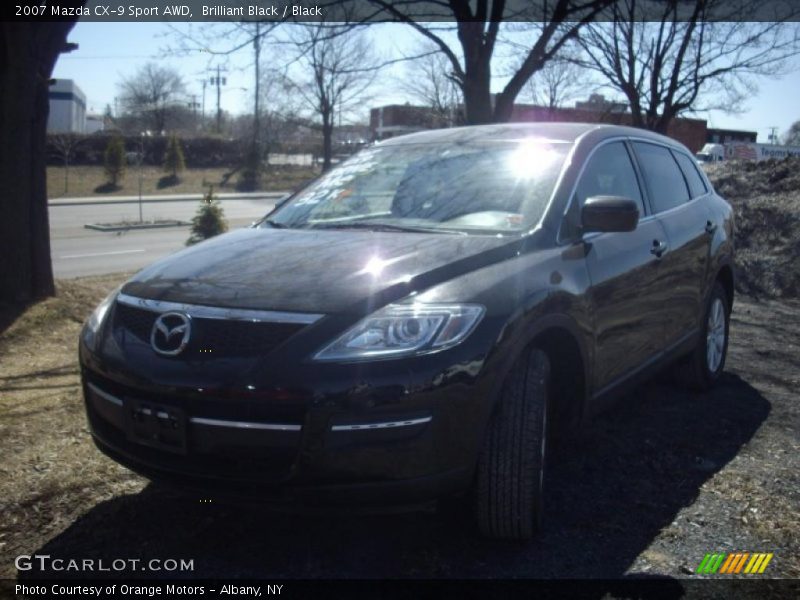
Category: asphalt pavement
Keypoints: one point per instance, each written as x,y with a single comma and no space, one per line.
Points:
77,251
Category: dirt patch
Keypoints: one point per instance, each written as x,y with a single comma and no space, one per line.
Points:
766,199
646,489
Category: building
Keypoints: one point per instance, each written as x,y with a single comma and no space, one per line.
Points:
390,121
598,103
690,132
349,135
726,136
400,119
94,124
67,108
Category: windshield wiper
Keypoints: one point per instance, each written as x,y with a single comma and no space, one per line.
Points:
275,224
378,226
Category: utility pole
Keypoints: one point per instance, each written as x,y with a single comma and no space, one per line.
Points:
256,103
141,172
193,104
203,108
773,135
219,81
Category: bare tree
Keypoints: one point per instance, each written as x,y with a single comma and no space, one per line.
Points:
429,80
255,35
479,25
64,145
677,56
792,137
558,82
220,41
335,68
152,92
280,109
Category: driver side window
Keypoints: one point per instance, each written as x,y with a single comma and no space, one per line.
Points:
609,172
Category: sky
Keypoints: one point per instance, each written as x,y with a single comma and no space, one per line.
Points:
109,52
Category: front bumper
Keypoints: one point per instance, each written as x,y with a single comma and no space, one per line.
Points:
374,445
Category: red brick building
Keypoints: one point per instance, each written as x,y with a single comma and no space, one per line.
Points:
690,132
390,121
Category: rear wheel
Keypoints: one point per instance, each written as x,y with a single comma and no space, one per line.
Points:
510,475
703,367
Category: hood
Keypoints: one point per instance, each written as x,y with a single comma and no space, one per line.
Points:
314,271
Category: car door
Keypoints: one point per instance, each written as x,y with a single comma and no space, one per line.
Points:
676,192
627,290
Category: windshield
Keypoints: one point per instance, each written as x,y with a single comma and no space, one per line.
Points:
446,187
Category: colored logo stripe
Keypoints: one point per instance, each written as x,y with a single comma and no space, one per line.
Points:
761,564
735,563
740,563
710,563
727,564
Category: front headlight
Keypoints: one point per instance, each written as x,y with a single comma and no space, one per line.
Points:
95,320
404,329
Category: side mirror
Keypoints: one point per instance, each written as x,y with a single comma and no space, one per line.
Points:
609,213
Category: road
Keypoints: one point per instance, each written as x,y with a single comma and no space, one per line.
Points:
77,251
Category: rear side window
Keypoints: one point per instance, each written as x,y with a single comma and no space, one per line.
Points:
664,179
609,172
697,186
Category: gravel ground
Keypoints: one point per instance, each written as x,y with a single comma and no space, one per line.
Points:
646,489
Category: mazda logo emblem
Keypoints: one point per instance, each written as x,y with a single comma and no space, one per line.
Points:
171,333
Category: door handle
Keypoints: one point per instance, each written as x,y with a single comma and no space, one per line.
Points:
659,248
710,227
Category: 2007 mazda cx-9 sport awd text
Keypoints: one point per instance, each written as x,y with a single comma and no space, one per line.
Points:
414,323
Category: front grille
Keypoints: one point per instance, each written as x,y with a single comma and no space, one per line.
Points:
211,338
135,320
242,338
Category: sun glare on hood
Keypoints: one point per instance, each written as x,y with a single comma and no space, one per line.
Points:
375,265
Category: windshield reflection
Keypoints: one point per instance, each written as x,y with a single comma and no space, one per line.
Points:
487,187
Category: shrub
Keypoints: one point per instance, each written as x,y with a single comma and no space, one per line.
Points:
209,220
114,160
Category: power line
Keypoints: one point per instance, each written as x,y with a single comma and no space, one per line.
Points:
108,57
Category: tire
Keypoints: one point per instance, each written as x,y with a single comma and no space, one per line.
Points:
510,474
703,367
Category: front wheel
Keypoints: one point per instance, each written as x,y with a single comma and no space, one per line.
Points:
510,474
701,369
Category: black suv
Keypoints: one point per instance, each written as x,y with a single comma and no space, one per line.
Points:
415,323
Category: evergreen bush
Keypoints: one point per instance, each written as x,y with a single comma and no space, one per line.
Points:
209,220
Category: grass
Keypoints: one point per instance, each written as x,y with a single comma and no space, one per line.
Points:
41,418
91,181
62,497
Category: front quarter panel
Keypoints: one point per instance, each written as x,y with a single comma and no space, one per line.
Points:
722,250
539,289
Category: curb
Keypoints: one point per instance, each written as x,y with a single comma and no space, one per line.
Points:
146,200
110,227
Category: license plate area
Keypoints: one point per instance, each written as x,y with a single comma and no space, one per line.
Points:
156,425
